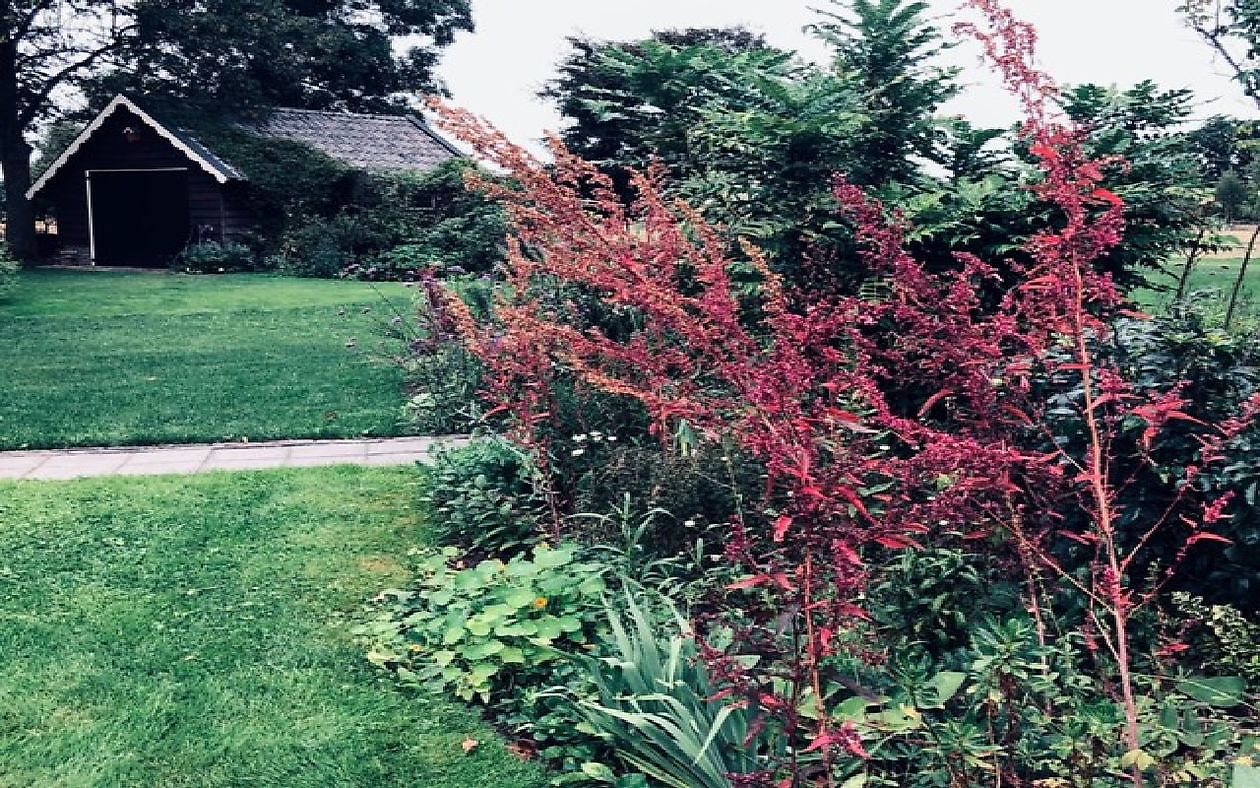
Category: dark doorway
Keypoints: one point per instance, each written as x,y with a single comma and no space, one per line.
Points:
139,218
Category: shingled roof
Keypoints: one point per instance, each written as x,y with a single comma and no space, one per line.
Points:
376,143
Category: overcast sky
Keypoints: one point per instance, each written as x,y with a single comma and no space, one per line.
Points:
497,70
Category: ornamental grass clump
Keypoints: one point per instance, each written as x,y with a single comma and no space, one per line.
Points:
880,425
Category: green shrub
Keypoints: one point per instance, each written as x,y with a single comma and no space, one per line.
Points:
936,597
482,497
290,184
394,227
9,268
442,375
1042,711
216,258
325,247
1223,638
441,222
477,632
1213,371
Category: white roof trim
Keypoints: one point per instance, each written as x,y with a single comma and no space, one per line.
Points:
98,121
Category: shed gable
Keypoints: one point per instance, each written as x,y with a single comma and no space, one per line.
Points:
125,136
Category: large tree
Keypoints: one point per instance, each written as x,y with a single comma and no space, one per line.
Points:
47,48
232,56
627,102
1232,29
754,134
886,50
1222,144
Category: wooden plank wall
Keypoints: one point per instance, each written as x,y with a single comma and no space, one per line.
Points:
211,216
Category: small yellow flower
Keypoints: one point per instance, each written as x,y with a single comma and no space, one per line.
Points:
415,648
540,603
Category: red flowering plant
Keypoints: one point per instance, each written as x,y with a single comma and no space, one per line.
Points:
880,424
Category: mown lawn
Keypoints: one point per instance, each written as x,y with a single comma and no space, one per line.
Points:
195,631
96,358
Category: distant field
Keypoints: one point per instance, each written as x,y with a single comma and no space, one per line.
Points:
1213,278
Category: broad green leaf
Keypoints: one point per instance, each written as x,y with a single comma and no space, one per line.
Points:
852,709
598,771
1220,691
512,656
483,670
946,684
521,597
1245,776
453,635
549,627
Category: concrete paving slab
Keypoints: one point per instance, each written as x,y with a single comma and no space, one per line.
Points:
400,445
229,464
159,468
153,460
274,453
314,462
19,463
406,458
330,449
74,470
168,454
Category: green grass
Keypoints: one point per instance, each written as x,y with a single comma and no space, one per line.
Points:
1214,279
95,358
195,631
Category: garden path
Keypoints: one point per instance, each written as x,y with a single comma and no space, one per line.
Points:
181,459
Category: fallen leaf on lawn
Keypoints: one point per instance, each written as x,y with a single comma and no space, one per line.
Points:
469,745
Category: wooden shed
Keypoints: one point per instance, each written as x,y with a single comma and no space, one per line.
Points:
133,191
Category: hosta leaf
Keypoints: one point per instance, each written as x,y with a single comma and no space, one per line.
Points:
483,670
512,656
1245,776
550,627
521,597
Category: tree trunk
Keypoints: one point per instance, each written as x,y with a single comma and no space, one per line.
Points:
15,152
1195,250
1242,274
19,215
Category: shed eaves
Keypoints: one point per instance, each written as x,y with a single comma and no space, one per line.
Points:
376,143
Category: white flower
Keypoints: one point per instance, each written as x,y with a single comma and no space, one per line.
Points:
689,523
578,452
